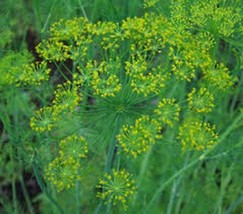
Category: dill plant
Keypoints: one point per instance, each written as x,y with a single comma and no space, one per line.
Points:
125,93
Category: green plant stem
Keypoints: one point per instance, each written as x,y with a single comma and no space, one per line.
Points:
224,184
78,189
144,166
233,125
192,163
110,159
42,186
234,204
83,10
174,189
26,196
60,71
15,203
43,30
37,14
112,145
163,185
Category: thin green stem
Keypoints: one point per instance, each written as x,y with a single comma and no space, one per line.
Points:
232,126
15,203
38,14
174,188
224,184
43,188
144,166
78,190
26,196
112,145
60,71
191,164
110,159
174,176
48,17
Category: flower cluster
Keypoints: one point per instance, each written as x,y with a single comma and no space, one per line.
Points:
215,17
68,30
218,76
67,96
183,66
145,80
117,187
197,135
104,78
148,33
53,50
167,112
201,101
63,174
43,120
35,73
18,69
73,146
63,171
137,139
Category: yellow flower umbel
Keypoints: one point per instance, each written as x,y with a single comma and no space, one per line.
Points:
197,135
167,112
35,73
218,76
116,187
11,67
52,50
183,66
67,96
73,146
137,139
63,173
214,16
107,34
69,30
146,34
145,80
43,120
104,80
201,101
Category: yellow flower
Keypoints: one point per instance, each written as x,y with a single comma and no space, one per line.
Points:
183,63
201,101
63,174
35,73
116,187
69,29
104,79
73,146
52,50
67,96
215,17
137,139
167,111
197,135
218,76
44,120
145,80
